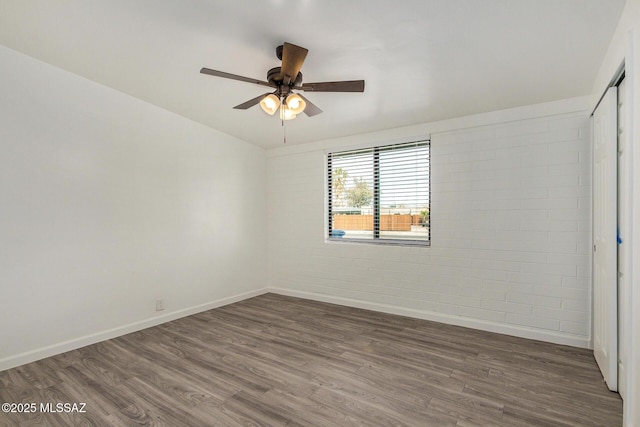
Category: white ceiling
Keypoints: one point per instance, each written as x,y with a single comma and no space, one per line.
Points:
422,60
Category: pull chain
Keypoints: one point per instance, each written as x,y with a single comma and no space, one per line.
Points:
284,133
284,128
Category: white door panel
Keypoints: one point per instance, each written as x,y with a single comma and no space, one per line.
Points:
623,237
605,270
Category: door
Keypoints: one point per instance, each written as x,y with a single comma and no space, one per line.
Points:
605,269
623,237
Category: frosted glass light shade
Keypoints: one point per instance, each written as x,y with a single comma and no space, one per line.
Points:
270,104
295,103
286,113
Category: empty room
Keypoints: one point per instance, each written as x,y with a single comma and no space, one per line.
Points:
320,213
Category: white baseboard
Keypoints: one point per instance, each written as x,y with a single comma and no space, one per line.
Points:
52,350
514,330
484,325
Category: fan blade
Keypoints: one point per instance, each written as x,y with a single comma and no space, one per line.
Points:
344,86
292,58
311,109
233,77
250,103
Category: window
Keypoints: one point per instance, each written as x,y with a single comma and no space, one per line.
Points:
380,194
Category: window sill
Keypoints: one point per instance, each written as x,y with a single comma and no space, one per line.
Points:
380,242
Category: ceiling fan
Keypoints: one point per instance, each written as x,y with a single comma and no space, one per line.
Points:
285,79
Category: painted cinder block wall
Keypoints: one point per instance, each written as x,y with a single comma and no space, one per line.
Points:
511,228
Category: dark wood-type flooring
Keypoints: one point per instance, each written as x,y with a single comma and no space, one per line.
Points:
282,361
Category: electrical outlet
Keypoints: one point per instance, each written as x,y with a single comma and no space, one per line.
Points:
159,304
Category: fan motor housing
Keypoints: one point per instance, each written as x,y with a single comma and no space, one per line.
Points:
274,77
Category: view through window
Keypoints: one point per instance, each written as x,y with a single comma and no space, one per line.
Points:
380,194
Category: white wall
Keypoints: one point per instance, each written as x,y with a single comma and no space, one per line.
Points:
511,227
617,49
109,203
625,48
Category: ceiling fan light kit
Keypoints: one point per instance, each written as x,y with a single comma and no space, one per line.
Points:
286,113
270,104
284,80
295,103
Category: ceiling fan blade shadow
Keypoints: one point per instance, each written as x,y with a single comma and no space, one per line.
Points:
311,109
343,86
292,59
222,74
250,103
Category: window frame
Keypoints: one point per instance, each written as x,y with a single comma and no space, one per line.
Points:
376,239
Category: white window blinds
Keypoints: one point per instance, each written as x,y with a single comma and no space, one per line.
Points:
380,194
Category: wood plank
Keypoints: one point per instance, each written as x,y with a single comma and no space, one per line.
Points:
278,360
